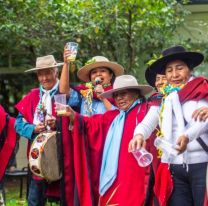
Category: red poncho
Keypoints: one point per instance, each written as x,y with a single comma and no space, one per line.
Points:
27,108
89,136
7,140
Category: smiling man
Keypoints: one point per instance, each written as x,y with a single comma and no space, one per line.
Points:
36,114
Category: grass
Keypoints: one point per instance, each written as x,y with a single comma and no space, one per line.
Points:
12,191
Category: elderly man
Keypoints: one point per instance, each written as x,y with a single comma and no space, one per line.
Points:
36,114
110,175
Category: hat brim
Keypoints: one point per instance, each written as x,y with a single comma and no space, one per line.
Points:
144,90
150,77
193,58
40,68
83,73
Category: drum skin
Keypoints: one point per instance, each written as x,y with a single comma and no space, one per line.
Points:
44,157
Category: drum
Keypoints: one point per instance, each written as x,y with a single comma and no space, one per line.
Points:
44,158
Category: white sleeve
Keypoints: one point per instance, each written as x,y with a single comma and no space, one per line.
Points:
149,123
196,128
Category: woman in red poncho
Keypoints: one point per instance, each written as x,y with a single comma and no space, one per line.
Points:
106,173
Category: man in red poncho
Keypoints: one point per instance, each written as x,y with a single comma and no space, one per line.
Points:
105,172
35,110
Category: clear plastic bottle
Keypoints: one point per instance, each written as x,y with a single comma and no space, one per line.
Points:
165,146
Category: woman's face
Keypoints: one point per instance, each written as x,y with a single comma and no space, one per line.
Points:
177,72
125,98
160,81
103,73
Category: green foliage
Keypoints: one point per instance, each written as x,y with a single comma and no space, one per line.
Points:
127,31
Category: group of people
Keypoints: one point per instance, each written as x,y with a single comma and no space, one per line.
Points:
111,117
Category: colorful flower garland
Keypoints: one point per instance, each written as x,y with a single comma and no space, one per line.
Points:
165,90
88,96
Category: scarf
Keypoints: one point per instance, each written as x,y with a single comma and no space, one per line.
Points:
44,106
172,106
111,150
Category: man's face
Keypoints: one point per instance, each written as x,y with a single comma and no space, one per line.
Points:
125,98
177,72
47,78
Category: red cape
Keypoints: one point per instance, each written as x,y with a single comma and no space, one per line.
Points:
88,139
27,107
155,99
9,141
196,89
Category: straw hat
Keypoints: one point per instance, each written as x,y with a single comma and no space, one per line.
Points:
192,59
45,62
98,61
127,82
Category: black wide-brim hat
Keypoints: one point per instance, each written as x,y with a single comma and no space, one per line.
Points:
192,59
150,77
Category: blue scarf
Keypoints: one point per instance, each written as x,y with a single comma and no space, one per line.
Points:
52,92
111,150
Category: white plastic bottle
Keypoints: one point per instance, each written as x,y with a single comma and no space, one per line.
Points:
165,146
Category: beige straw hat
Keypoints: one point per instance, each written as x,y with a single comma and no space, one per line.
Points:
45,62
98,61
127,82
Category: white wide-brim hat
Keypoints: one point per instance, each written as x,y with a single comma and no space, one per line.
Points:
98,61
127,82
45,62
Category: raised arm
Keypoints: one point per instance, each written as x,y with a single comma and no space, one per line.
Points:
65,80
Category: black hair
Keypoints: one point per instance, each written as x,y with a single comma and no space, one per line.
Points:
110,71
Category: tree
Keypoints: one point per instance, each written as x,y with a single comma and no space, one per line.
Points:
127,31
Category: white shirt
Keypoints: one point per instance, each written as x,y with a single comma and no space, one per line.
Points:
193,129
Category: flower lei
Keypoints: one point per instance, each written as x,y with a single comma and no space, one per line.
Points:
41,110
88,96
165,90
